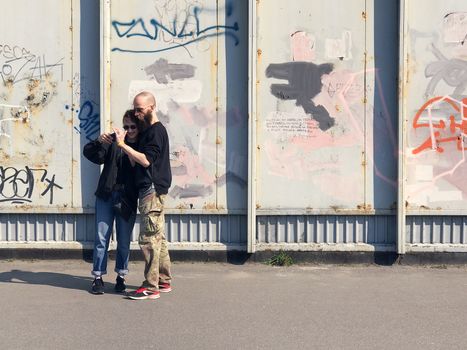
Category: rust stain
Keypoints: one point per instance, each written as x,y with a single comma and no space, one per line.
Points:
218,140
364,15
40,93
338,108
210,206
364,207
424,207
258,206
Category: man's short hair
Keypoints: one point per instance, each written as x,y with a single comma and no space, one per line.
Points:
148,96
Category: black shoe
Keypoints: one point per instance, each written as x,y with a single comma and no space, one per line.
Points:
97,286
120,286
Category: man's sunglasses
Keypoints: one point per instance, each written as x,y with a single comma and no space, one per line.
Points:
132,127
141,109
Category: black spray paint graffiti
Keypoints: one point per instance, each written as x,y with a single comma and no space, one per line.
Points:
161,69
452,71
304,84
18,64
17,185
179,33
89,119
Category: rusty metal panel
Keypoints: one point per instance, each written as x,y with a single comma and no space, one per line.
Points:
326,131
435,110
39,151
184,52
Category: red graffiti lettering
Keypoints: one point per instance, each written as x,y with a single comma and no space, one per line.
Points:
456,129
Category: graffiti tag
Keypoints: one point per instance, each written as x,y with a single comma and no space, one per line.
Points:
89,120
456,130
180,33
20,64
17,185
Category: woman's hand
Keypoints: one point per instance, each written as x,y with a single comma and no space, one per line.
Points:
105,138
119,135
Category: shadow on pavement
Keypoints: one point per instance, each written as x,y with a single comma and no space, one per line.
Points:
54,279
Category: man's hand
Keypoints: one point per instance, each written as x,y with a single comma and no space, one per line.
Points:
120,135
105,138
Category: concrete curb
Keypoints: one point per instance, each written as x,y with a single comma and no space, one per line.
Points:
241,257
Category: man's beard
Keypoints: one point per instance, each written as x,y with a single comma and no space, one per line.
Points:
145,121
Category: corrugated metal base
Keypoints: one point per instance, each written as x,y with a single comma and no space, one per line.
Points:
436,230
80,228
228,232
328,229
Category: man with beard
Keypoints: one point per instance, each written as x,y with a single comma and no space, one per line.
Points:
153,179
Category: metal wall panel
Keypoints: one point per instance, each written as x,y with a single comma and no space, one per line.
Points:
435,108
326,105
80,228
436,230
41,113
185,52
378,229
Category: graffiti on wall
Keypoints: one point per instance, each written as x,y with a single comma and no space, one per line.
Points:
19,64
38,80
29,84
331,115
436,163
304,83
89,119
194,146
18,186
174,30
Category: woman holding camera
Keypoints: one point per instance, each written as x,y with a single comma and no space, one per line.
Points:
116,200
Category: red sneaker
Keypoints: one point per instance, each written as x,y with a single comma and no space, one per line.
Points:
143,293
164,287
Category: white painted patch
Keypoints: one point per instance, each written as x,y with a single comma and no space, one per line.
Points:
339,48
445,196
455,27
416,198
179,91
423,173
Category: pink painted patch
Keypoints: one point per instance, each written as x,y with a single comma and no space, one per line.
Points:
303,46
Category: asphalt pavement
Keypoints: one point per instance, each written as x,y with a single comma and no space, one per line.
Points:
46,305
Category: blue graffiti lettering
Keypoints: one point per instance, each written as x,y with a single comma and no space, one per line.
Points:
138,28
89,120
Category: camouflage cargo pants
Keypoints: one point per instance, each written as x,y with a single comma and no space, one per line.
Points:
153,242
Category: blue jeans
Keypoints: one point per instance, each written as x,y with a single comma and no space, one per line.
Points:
105,217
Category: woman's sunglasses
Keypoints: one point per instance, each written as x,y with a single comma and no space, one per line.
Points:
132,127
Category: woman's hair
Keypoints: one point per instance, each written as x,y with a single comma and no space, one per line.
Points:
130,114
